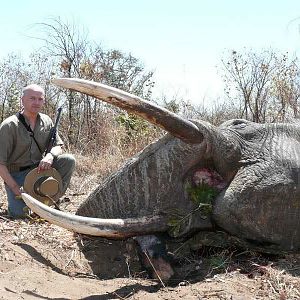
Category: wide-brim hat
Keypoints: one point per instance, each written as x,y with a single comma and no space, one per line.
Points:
45,186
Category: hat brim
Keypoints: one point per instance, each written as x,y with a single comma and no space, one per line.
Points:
33,176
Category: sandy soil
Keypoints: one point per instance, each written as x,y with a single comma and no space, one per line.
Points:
42,261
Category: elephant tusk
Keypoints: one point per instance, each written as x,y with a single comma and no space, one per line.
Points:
108,228
167,120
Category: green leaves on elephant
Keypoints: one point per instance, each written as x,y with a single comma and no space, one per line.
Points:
177,223
202,196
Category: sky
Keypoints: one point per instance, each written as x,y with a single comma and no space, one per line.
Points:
183,42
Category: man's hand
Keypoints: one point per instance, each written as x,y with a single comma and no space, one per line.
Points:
17,191
45,163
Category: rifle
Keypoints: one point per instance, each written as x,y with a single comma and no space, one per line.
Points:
53,131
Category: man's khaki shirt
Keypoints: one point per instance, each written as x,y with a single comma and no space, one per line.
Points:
17,147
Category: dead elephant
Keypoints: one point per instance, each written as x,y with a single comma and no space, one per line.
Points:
258,165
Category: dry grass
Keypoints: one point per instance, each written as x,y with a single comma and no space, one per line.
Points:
256,276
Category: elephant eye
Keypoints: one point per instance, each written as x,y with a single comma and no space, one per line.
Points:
238,124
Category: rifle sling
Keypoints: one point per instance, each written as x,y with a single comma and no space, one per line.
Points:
28,128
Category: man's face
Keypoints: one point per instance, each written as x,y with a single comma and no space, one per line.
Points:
33,101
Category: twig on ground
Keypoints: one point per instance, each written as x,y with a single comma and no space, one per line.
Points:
154,269
71,258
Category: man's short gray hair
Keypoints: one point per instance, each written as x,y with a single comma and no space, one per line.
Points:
33,87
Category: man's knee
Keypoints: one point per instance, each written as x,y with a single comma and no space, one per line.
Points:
65,165
65,162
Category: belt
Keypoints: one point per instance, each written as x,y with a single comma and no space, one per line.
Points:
20,169
26,168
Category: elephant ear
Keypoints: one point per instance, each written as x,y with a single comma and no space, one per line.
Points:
171,122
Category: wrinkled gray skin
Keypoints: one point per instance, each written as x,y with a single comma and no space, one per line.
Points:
260,163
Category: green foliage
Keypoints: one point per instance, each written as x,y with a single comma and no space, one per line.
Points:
134,125
202,196
177,223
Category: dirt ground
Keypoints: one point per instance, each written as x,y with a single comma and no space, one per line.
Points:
42,261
